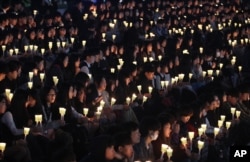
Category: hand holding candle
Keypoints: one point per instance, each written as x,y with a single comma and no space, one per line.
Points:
216,131
237,114
85,111
228,124
184,141
232,111
2,146
113,100
26,131
139,88
62,112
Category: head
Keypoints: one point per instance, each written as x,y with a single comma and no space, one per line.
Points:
50,94
14,67
123,145
233,96
3,70
133,129
185,113
2,104
149,70
33,98
149,128
101,83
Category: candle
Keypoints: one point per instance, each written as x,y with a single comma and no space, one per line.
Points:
50,45
216,131
16,51
200,131
31,46
72,39
181,76
103,35
210,72
113,100
238,114
42,51
31,74
222,117
144,99
90,76
204,127
42,75
164,148
85,16
233,61
62,112
159,57
220,65
176,78
26,131
239,68
58,44
30,85
99,109
184,141
204,74
102,103
190,75
35,12
3,47
145,59
55,80
135,62
217,72
83,43
85,111
2,146
26,48
139,88
162,84
128,100
35,47
133,97
191,135
172,81
11,52
150,89
220,123
169,152
63,44
7,92
151,59
228,124
200,145
113,37
201,50
120,61
97,114
166,82
10,96
232,111
38,119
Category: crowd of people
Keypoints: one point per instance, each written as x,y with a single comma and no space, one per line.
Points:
124,81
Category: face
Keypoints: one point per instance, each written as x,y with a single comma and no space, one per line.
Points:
154,135
244,96
135,136
110,153
51,97
71,92
31,101
149,75
167,130
185,119
217,101
126,150
103,84
2,106
66,61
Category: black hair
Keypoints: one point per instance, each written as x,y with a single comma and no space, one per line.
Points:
185,110
3,67
122,139
149,124
130,126
13,65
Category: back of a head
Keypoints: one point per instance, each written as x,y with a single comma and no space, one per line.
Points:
149,124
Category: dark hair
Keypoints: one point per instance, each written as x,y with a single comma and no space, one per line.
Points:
233,92
3,67
185,110
13,65
149,124
130,126
122,139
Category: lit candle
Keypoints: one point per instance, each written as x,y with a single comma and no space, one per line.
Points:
72,39
239,68
166,82
228,124
31,46
99,109
7,92
181,76
97,114
102,103
216,131
50,45
128,100
42,51
169,152
103,35
38,119
35,47
16,51
58,44
26,48
222,117
30,85
113,100
151,59
172,81
3,47
201,50
139,88
232,111
10,96
217,72
42,75
35,12
135,62
200,145
190,76
85,111
84,43
176,78
113,37
159,57
133,97
191,135
150,89
162,84
11,51
120,61
2,146
220,65
184,141
204,74
200,131
145,59
204,127
26,131
62,112
63,44
119,67
55,80
233,61
210,72
144,99
31,74
220,123
164,148
90,76
237,114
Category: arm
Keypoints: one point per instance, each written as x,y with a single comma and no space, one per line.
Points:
7,119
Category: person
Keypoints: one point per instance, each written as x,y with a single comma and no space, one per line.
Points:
101,149
3,73
149,128
123,147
